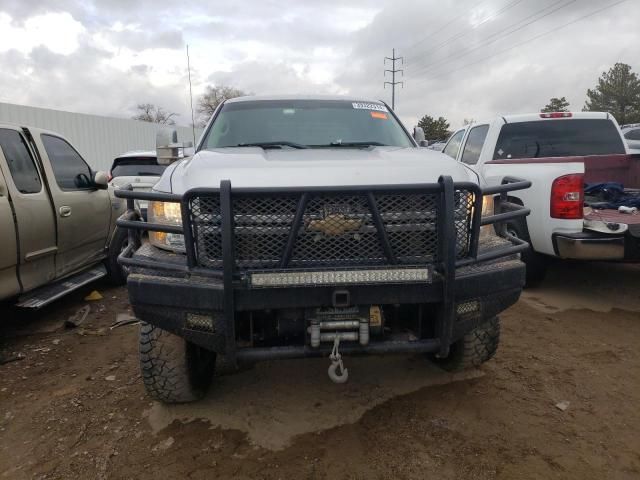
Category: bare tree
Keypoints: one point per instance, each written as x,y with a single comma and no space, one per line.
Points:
212,97
148,112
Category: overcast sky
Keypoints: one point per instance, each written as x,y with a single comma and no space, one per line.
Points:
105,56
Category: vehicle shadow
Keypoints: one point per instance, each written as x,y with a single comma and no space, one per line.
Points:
598,286
22,322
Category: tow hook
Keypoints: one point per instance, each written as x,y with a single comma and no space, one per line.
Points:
337,372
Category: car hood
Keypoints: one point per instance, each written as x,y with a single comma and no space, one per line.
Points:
255,167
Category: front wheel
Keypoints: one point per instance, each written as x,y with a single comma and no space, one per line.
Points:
117,273
173,370
475,348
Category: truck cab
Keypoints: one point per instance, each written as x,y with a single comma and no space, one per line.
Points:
57,217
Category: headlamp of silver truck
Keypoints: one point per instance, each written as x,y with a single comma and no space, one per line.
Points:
487,210
166,213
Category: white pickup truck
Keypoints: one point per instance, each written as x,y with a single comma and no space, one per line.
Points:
313,226
559,152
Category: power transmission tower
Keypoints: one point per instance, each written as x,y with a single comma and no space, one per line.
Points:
393,72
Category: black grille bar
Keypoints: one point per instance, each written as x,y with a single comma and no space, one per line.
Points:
295,226
382,233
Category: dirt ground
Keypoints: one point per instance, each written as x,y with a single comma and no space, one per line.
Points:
74,407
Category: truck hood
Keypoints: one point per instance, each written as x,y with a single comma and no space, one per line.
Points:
255,167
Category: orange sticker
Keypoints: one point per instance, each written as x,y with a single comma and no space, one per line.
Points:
381,115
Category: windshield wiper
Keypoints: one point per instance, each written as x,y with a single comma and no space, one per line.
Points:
278,144
340,143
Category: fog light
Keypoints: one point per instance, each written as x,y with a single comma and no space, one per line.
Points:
196,321
341,277
468,307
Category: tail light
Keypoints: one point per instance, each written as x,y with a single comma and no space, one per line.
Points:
109,177
567,197
556,115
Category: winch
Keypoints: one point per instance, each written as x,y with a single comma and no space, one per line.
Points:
339,324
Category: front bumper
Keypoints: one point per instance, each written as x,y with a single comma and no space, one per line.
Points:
172,302
588,245
178,292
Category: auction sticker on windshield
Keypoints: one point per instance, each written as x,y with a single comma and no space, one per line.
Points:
369,106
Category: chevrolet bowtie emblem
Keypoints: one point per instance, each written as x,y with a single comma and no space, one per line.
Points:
335,224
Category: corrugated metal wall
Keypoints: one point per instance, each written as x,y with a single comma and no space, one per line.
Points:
98,139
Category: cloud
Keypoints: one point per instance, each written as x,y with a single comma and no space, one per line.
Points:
105,56
60,32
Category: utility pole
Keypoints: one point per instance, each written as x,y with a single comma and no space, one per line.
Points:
393,72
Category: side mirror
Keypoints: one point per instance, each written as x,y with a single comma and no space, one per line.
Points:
101,180
168,150
418,135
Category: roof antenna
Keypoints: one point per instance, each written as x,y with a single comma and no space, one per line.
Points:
193,122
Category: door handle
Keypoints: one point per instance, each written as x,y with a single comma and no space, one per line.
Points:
65,211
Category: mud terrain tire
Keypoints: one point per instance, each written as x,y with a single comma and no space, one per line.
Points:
475,348
173,370
116,273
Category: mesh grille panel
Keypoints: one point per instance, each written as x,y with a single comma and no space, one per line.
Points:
206,221
462,215
411,225
336,229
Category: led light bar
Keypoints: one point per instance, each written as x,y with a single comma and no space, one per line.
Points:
341,277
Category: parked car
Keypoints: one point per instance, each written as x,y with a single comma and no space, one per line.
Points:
558,152
312,226
631,135
57,219
140,169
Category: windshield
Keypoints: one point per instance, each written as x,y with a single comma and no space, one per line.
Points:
137,167
305,123
558,138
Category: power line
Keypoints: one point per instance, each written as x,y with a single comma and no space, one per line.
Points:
466,32
393,72
536,37
498,35
450,22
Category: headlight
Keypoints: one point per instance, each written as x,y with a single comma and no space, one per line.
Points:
487,205
487,210
166,213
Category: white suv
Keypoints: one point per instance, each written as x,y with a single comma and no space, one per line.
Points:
140,169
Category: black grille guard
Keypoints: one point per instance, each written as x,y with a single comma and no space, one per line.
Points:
448,257
447,228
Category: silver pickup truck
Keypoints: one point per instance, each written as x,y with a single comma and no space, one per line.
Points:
57,219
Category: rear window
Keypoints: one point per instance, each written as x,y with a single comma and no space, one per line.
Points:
558,138
633,134
136,167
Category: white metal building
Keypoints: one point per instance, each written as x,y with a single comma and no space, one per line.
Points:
98,139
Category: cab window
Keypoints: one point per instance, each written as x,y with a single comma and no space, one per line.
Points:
70,170
473,147
21,165
454,144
